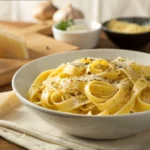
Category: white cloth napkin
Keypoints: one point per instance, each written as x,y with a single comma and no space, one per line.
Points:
26,129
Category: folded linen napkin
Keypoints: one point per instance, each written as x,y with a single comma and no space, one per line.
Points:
26,129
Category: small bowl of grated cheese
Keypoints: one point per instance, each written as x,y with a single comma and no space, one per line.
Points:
128,32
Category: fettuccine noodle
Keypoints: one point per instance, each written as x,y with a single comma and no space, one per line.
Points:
94,86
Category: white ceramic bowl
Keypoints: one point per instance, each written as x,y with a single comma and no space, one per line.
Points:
83,39
95,127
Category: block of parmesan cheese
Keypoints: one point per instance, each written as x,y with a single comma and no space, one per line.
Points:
12,46
8,100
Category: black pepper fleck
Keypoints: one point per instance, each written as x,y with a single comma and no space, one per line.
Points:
89,73
47,47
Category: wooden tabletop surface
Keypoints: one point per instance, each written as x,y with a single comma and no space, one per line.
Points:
104,43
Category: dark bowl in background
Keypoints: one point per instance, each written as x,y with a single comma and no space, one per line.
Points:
127,40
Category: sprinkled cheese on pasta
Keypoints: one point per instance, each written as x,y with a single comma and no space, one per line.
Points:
94,86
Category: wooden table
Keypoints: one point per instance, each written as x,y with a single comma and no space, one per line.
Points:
104,43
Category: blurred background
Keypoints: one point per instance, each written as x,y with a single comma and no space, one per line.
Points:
99,10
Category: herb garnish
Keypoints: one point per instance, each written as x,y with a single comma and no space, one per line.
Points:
63,25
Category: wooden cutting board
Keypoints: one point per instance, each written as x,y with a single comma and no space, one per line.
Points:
39,43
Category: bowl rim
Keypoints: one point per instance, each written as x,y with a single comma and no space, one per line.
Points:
26,102
104,28
78,32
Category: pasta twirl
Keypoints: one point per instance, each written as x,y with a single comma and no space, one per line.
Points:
94,86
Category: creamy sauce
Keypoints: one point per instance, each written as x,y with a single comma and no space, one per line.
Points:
78,27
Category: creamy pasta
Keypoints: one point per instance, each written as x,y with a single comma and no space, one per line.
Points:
94,86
